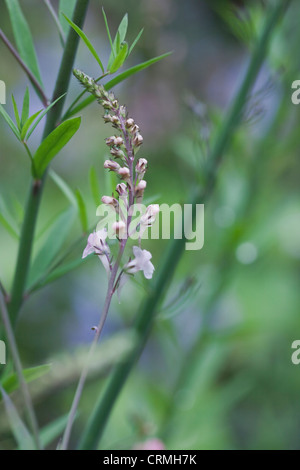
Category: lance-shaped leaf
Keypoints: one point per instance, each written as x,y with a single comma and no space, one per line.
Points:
119,60
19,430
25,109
11,382
85,40
10,122
66,7
119,39
23,37
55,141
82,211
55,239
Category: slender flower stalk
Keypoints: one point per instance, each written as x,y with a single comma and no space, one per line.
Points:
146,313
122,147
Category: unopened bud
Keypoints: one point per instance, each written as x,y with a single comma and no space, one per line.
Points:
124,173
111,165
110,141
122,190
118,141
135,129
115,120
123,111
137,140
119,228
109,200
107,118
115,104
129,123
151,212
117,153
141,166
139,190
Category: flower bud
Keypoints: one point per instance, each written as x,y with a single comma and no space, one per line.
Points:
137,140
107,118
106,104
129,123
111,165
115,120
124,173
135,129
115,104
118,141
141,166
123,111
117,153
110,201
119,228
150,215
110,141
139,190
122,190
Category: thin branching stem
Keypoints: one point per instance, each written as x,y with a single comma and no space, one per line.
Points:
28,72
19,369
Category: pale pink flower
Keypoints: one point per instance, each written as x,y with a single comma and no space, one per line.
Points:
96,244
141,262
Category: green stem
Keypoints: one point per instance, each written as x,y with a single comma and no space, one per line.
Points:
146,315
36,189
19,369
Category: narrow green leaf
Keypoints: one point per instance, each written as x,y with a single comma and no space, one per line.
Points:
19,430
66,7
64,187
107,30
23,37
28,123
53,430
82,211
119,60
16,112
118,79
25,109
58,273
94,184
55,239
85,40
122,30
135,41
119,38
55,141
7,220
11,382
42,115
10,122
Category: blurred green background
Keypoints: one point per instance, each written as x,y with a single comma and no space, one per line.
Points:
217,371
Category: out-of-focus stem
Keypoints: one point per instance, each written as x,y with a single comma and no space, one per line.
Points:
23,385
36,189
146,315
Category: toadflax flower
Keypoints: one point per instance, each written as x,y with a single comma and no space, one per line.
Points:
97,244
141,262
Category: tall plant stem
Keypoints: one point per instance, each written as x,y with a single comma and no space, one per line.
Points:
23,385
146,314
36,188
84,374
